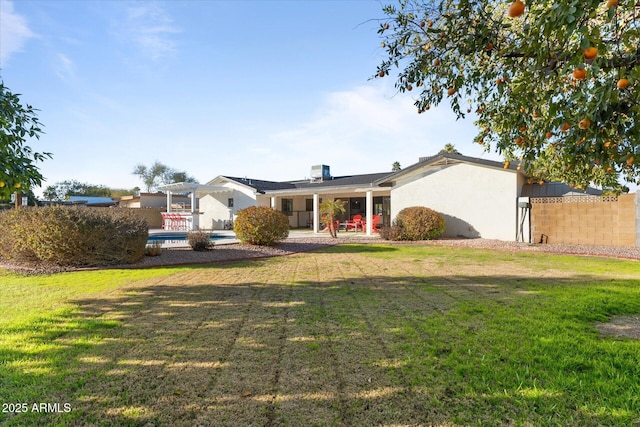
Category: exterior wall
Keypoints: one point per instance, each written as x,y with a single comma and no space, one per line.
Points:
152,215
589,220
476,201
214,209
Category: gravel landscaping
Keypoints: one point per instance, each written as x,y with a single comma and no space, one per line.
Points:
232,252
236,251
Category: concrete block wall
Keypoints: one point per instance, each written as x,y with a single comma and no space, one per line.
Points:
587,220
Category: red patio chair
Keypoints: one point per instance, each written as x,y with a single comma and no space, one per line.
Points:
354,223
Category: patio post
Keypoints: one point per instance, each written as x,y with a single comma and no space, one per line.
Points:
273,202
369,207
168,201
193,201
316,208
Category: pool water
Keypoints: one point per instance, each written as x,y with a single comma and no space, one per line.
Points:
174,237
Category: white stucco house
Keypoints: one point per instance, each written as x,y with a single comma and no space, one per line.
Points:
478,197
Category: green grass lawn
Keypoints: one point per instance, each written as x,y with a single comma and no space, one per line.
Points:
350,335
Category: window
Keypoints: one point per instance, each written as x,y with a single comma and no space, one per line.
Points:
287,207
230,202
309,203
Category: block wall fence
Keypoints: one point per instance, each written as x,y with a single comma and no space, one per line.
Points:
587,220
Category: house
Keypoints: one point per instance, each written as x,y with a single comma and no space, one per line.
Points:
479,198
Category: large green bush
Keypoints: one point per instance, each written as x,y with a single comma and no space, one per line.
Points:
418,223
72,236
261,225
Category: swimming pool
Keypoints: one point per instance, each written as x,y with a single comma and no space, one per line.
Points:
177,237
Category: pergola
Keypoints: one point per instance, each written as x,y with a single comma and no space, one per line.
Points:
194,190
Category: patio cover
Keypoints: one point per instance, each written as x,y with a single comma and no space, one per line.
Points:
193,188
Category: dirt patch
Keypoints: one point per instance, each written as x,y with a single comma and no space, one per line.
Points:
621,326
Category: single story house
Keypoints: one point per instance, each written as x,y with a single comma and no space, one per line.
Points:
478,197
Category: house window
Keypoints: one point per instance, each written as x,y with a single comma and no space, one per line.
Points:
230,202
309,205
287,207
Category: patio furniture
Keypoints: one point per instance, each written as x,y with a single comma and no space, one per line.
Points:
355,223
375,220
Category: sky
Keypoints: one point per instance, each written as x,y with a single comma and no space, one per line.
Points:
262,89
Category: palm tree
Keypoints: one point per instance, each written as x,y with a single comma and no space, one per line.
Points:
395,167
329,209
449,148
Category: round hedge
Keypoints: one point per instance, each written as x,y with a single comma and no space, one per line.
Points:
419,223
261,225
72,236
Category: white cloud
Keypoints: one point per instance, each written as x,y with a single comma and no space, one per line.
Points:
64,67
363,130
14,31
150,28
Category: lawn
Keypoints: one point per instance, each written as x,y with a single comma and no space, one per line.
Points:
349,335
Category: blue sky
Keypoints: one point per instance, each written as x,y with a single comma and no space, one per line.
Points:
263,89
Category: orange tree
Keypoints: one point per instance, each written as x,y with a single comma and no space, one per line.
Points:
18,170
554,85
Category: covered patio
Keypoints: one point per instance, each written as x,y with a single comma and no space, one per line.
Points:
302,206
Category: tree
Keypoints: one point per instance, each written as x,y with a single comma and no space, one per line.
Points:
557,81
395,167
18,170
62,190
330,209
159,174
449,148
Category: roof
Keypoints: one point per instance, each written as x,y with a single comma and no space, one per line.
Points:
191,187
262,186
556,189
446,159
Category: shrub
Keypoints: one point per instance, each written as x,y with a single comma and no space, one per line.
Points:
199,240
72,236
261,225
154,249
419,223
390,233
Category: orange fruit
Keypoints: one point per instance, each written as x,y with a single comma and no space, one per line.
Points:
612,3
409,88
609,169
1,184
422,24
451,91
541,182
584,124
579,73
607,144
590,53
386,26
516,9
506,165
430,24
518,141
17,185
630,160
565,127
489,47
548,135
623,83
381,74
523,128
436,62
535,115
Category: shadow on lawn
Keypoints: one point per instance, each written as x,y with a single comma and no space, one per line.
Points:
362,351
